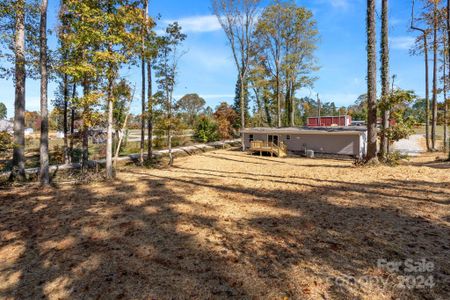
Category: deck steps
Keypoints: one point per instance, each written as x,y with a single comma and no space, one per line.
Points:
278,150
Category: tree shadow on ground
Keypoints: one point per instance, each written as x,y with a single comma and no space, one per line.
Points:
144,236
438,164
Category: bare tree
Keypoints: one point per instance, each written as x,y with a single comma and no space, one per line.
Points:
385,74
44,168
238,18
371,84
427,85
18,162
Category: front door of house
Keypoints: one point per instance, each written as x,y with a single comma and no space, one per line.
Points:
273,139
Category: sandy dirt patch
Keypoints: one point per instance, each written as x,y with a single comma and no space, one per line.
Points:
229,225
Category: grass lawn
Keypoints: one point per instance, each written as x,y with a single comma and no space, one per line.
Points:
439,131
228,225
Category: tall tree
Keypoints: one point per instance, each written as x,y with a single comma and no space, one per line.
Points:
191,105
63,29
238,18
434,105
371,84
424,38
18,170
144,82
385,114
166,72
44,163
120,22
446,141
285,40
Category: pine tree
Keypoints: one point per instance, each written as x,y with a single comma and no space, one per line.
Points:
44,160
237,102
384,147
371,84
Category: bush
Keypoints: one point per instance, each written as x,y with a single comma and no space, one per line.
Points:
6,142
206,130
394,158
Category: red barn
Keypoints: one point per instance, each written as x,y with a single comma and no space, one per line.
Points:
329,121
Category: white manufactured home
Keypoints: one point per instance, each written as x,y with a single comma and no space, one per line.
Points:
348,141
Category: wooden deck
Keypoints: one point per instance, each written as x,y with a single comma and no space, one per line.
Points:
268,147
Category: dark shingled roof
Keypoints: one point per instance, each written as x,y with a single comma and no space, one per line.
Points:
293,130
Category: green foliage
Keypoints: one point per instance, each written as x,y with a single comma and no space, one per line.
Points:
3,111
206,130
308,107
237,102
8,13
189,106
286,38
397,103
122,95
394,158
358,111
6,142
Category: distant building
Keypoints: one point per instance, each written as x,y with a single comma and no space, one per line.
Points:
344,140
329,121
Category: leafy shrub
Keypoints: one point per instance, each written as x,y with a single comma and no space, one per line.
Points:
6,142
394,158
58,154
206,130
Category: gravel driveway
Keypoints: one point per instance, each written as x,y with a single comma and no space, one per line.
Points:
411,146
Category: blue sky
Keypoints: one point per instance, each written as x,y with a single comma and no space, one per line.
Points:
208,69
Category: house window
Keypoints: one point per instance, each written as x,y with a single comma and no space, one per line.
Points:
250,138
288,137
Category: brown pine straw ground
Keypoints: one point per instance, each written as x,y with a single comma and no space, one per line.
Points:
228,225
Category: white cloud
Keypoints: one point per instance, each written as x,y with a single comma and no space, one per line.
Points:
197,24
402,42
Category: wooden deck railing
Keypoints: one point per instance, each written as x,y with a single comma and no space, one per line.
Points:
279,150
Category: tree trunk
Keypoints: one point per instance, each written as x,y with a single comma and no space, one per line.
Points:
141,156
65,118
292,101
109,146
427,81
435,62
44,161
18,163
385,77
72,123
444,75
243,109
287,107
144,82
123,129
150,112
371,84
267,110
169,131
278,102
446,140
85,146
427,93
